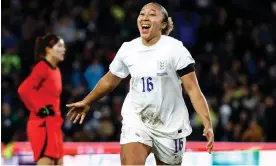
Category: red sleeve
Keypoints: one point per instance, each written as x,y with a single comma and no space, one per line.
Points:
29,88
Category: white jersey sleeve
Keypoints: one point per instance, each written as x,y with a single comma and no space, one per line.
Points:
117,66
182,57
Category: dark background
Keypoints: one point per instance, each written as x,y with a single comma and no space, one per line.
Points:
233,43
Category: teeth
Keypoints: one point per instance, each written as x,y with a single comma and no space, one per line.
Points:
145,26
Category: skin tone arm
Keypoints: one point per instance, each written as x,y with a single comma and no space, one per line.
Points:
200,105
105,85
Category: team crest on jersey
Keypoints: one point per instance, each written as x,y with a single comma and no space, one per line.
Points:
162,65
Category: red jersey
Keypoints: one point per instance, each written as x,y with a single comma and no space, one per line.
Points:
42,87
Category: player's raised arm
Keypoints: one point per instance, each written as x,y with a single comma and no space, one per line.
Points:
200,105
106,84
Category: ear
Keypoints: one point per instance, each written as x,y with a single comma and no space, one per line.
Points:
164,25
47,50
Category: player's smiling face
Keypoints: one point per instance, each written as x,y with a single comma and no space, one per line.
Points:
58,50
150,21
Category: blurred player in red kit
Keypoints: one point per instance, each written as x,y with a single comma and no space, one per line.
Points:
40,92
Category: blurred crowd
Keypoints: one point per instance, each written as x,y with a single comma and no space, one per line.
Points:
234,48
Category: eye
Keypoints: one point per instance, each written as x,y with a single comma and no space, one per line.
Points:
60,45
141,14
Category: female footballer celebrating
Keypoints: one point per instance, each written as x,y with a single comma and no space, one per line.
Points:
155,117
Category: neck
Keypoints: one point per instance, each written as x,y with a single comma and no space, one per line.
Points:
51,61
151,41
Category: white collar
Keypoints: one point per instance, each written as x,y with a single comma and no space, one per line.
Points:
142,47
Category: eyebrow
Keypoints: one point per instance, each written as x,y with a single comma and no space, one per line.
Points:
150,10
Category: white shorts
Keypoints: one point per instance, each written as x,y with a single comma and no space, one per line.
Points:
169,151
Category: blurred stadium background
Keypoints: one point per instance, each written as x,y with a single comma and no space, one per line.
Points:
233,43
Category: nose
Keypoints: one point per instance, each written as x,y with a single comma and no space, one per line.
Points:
145,17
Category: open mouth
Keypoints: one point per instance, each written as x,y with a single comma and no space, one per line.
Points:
145,28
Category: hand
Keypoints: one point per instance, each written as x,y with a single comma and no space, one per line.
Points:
46,111
209,134
78,111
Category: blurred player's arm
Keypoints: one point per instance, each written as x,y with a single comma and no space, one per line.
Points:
29,88
105,85
197,98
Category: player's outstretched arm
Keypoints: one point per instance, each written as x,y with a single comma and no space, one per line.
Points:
200,105
106,84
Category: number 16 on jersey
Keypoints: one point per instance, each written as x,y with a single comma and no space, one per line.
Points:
178,143
147,84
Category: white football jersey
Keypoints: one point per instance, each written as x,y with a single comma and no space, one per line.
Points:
155,96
